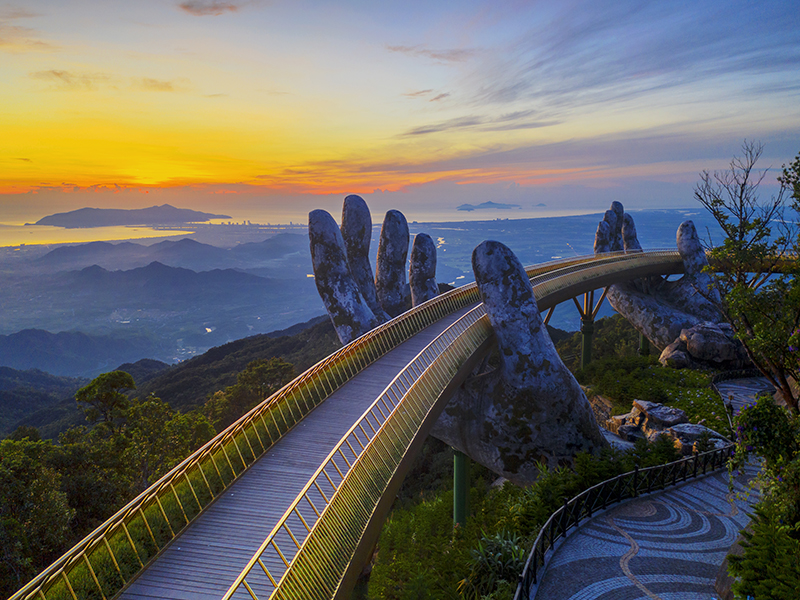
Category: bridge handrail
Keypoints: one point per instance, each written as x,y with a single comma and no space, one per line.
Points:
111,555
338,523
379,426
610,492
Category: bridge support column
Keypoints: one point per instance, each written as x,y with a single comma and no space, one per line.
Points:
588,312
587,329
644,345
460,488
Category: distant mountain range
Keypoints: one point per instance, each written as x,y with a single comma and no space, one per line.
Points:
155,311
109,217
71,353
185,253
485,206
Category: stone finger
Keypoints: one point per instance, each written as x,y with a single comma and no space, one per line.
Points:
357,233
422,270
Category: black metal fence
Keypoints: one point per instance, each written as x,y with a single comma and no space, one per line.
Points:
607,493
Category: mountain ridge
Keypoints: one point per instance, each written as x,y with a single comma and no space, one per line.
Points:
165,214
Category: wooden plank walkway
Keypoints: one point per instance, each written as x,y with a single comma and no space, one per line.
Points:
204,560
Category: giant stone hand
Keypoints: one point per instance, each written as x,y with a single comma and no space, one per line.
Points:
679,317
356,302
531,408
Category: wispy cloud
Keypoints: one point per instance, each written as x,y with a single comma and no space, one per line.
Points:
445,55
449,125
209,8
439,97
68,80
8,13
506,122
18,38
24,160
417,94
591,53
148,84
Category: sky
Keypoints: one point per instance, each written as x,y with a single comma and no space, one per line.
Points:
265,110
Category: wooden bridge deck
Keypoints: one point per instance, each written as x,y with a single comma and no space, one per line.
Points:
204,560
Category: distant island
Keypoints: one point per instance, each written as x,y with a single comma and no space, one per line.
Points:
486,205
111,217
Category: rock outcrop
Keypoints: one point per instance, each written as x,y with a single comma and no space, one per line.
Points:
357,233
422,270
531,408
346,307
650,420
390,270
707,344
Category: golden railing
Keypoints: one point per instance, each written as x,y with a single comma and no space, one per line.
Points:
310,552
112,555
108,558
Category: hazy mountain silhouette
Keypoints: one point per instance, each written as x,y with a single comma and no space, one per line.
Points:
185,253
108,217
71,353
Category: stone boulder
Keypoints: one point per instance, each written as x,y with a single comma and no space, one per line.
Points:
687,435
650,420
647,420
706,344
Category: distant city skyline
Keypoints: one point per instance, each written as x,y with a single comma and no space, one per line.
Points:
265,110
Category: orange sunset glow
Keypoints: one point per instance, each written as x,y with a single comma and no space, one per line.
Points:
244,104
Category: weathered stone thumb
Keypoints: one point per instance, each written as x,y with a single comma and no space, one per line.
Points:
346,307
531,408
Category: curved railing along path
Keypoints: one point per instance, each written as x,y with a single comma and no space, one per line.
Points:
241,482
665,545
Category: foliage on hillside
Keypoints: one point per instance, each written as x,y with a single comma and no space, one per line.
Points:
188,384
24,392
52,495
770,565
613,337
420,555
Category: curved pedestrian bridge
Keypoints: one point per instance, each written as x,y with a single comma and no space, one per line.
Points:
289,501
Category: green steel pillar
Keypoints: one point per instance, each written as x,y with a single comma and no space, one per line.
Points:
644,345
460,487
587,328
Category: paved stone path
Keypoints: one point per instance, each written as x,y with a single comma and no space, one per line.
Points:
665,546
743,391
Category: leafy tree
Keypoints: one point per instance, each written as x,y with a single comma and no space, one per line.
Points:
762,304
769,567
257,382
157,438
34,513
103,397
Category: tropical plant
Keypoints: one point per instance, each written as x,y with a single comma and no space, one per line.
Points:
761,303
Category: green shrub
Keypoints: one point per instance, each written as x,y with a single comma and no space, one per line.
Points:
496,558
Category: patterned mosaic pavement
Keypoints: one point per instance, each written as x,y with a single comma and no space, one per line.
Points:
743,391
665,546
